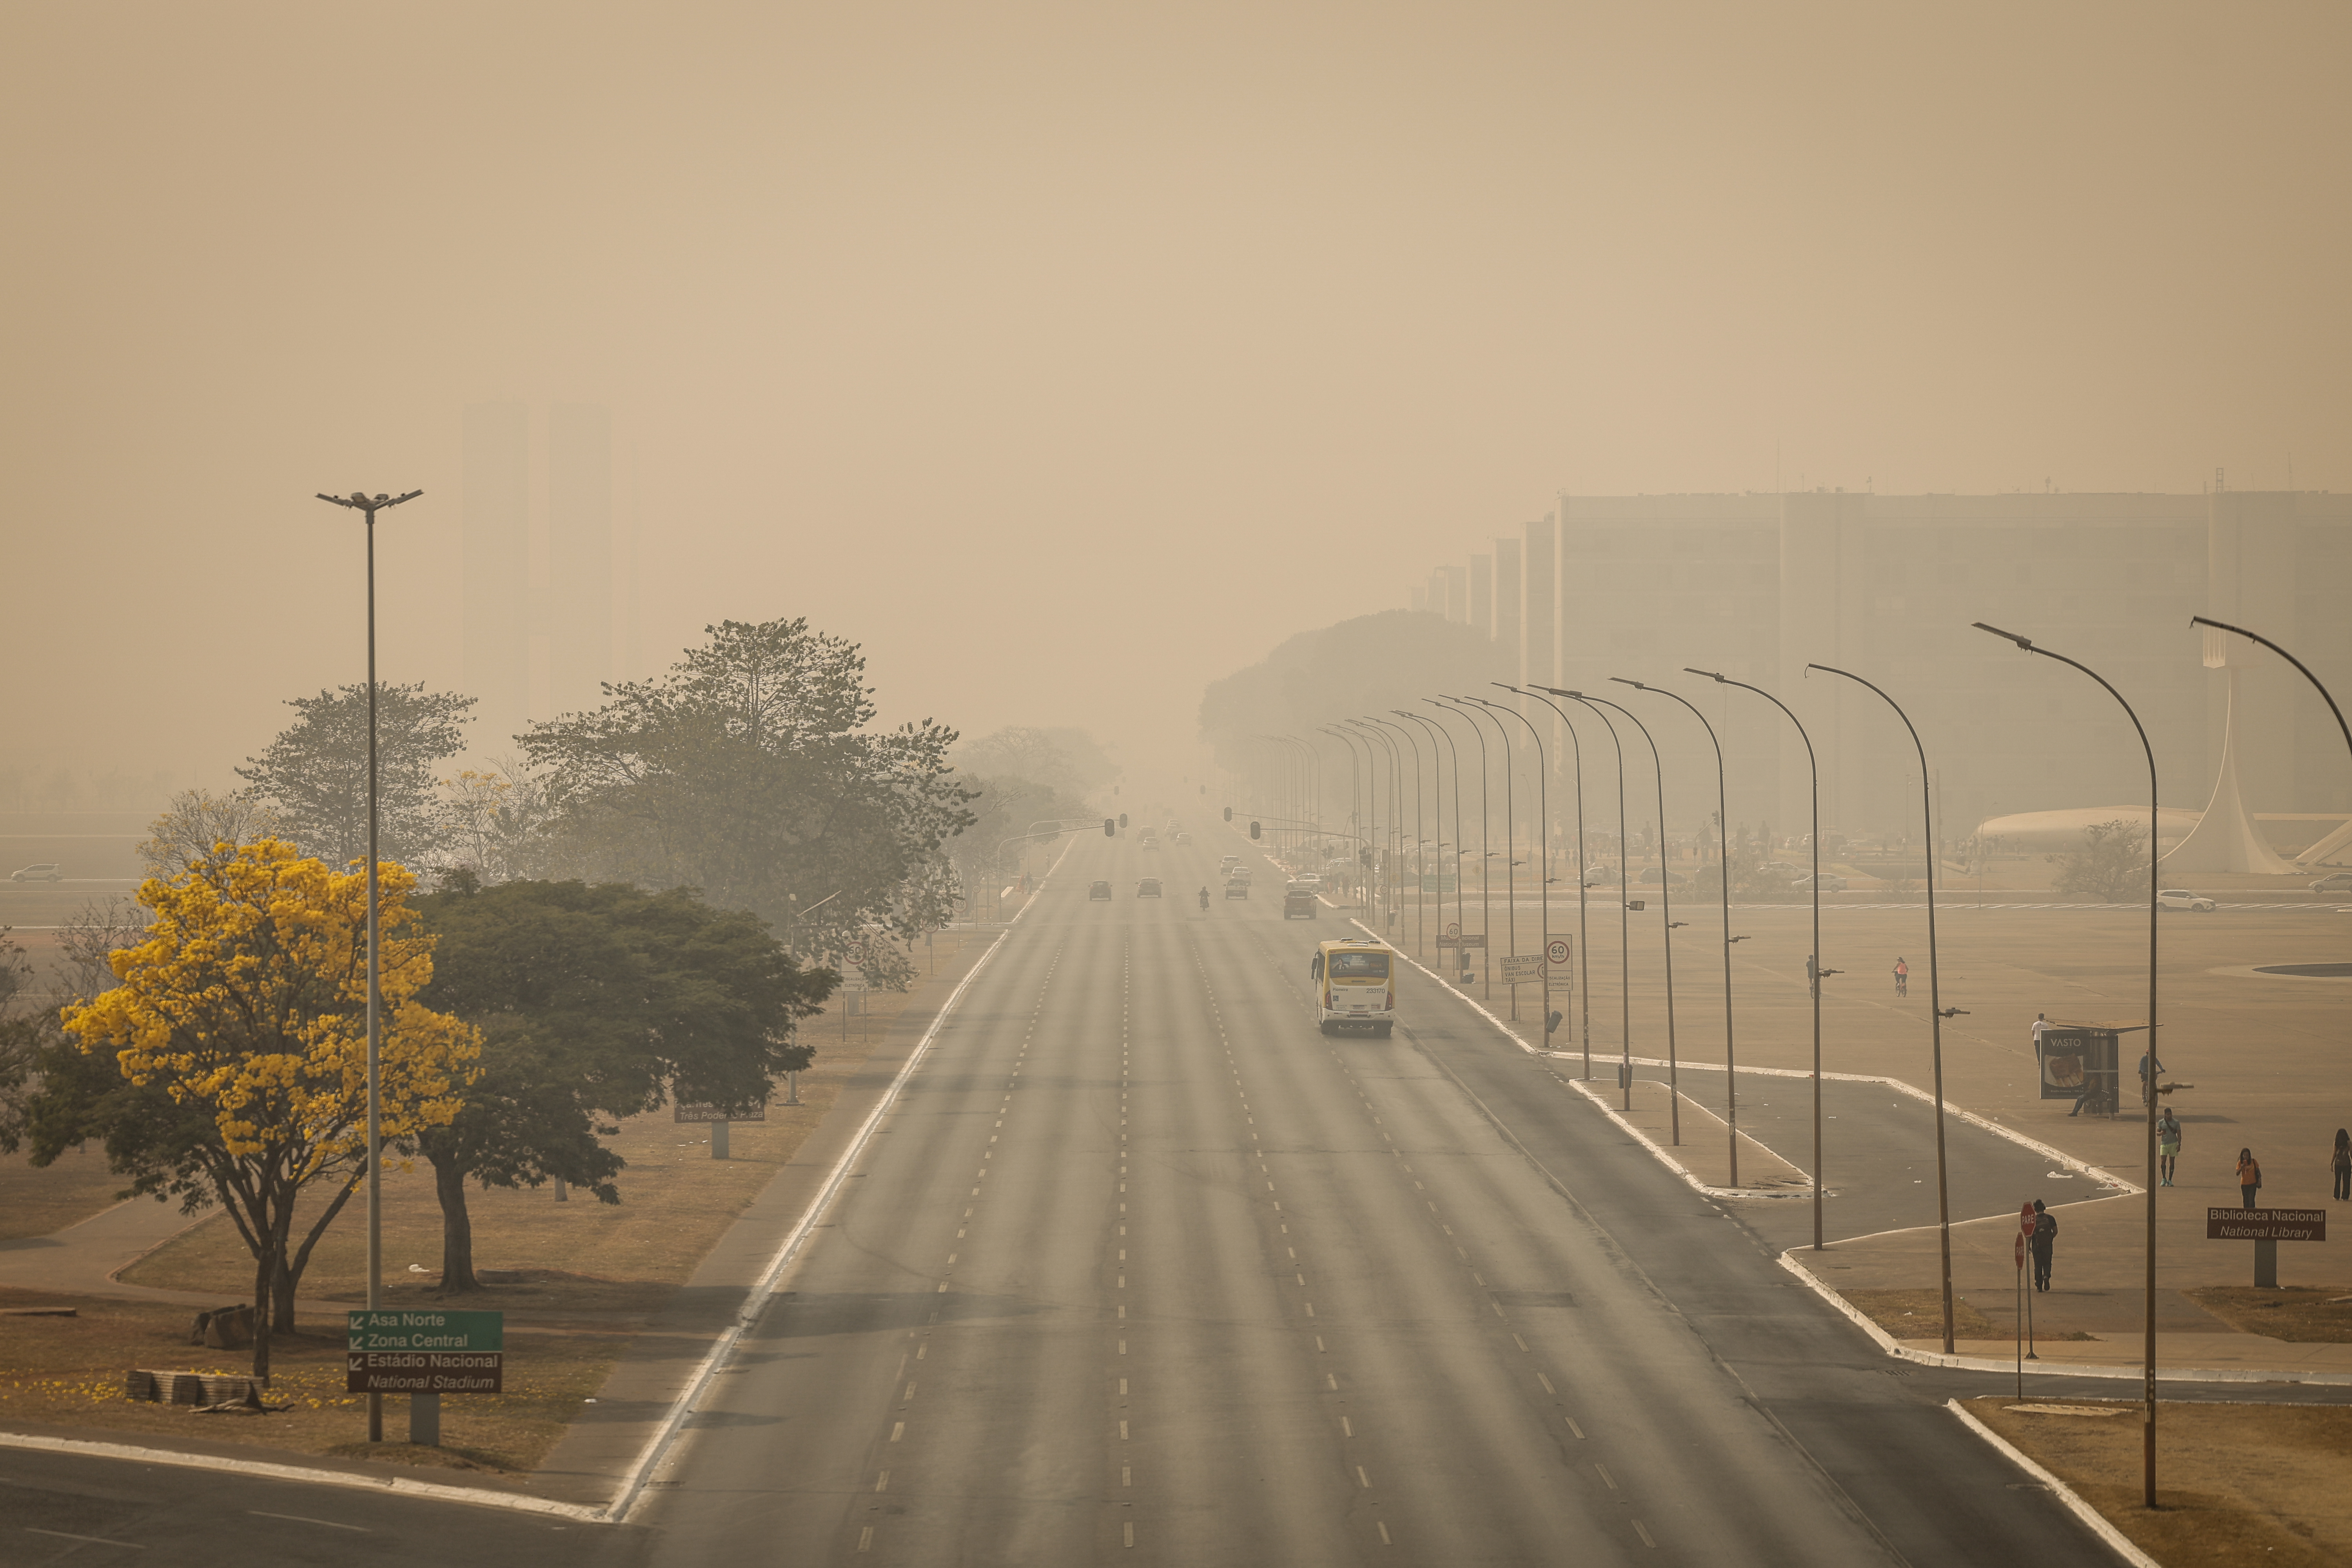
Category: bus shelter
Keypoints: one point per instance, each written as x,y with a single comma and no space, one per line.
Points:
2085,1062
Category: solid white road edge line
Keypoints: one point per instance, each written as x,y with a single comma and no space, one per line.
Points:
402,1485
658,1445
1593,1093
754,1301
2090,1516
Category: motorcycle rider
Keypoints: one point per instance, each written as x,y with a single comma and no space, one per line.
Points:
1205,897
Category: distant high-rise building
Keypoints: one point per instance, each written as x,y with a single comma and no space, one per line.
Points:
1482,594
1507,593
1538,664
495,634
579,554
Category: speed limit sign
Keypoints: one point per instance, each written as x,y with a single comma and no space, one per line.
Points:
1557,951
1454,928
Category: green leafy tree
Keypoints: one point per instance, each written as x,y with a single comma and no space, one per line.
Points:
2110,864
315,772
595,1001
748,772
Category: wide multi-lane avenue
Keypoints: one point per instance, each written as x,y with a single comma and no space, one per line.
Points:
1142,1267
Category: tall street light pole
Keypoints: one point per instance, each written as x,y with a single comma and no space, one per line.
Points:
1438,732
1355,796
368,506
2147,1354
1510,854
1813,959
1935,995
1383,873
1665,924
1543,865
1485,893
1723,869
1583,930
1624,897
1419,916
2299,665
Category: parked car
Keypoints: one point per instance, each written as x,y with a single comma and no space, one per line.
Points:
1237,889
1148,888
47,871
2181,899
1831,883
1099,890
2333,882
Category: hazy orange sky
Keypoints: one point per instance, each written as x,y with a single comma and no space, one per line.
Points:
1070,356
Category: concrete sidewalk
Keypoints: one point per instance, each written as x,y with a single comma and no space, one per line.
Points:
83,1259
592,1463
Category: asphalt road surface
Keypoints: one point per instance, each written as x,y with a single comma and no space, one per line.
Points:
1144,1269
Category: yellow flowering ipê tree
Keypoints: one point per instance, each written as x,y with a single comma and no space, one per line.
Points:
246,1009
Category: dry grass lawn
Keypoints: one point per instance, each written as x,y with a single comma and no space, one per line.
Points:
68,1372
39,1202
2302,1314
585,1277
1919,1314
2237,1483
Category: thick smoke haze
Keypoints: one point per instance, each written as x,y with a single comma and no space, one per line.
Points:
1071,357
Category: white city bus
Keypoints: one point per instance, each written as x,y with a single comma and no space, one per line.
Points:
1355,986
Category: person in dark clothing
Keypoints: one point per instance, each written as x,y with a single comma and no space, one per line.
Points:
2342,1165
2250,1175
2044,1243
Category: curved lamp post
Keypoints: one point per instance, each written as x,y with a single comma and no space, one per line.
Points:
1583,931
1510,859
1420,915
1666,926
2148,1369
1722,879
1439,732
1625,916
1356,823
1935,995
1543,867
1813,959
2299,665
1486,899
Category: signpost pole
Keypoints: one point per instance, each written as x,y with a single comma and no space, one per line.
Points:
2020,1317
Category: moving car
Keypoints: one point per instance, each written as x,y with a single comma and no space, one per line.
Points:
1227,862
1831,883
2333,882
47,871
1149,842
1148,888
2181,899
1239,874
1237,889
1674,878
1311,882
1098,890
1299,904
1183,840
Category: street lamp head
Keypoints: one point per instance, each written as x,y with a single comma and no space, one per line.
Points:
2025,643
1711,675
1735,939
1634,684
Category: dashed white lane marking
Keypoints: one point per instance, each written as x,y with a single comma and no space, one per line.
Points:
297,1518
1384,1533
1346,1430
1605,1474
897,1431
1574,1427
1362,1479
1644,1534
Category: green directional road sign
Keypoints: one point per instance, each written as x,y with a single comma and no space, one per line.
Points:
431,1331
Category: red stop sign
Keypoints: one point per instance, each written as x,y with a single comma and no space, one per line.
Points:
2025,1217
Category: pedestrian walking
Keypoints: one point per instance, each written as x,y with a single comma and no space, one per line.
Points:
2250,1175
1902,977
2044,1243
2168,1145
2342,1165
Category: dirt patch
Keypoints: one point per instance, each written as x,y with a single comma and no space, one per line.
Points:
2235,1483
70,1372
1919,1314
2300,1314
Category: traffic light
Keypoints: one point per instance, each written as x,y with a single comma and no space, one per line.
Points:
1111,828
1122,819
1253,830
1229,814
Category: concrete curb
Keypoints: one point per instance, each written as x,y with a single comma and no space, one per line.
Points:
399,1485
1744,1194
2046,1368
2092,1519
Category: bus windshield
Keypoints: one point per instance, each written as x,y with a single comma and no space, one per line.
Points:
1360,966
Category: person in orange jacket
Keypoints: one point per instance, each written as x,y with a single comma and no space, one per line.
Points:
2250,1175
